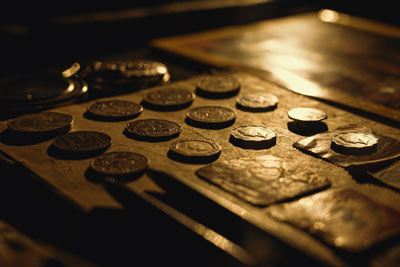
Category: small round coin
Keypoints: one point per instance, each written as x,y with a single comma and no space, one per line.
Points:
256,137
43,123
82,142
354,143
120,163
115,109
195,148
153,129
307,114
218,86
257,101
211,116
169,97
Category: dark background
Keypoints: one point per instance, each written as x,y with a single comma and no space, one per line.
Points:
44,34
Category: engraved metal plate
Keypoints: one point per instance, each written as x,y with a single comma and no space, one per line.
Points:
262,180
343,218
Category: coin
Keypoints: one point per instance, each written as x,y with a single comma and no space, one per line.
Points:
41,123
257,102
168,98
211,117
307,114
115,109
119,163
82,141
195,148
256,137
153,129
354,143
194,151
39,90
218,86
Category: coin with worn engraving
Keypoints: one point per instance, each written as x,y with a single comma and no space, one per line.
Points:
218,86
251,136
43,123
82,142
343,218
120,163
354,143
263,180
320,145
211,116
169,98
115,109
307,114
257,102
153,130
195,148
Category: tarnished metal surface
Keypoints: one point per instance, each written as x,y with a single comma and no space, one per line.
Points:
344,218
320,145
264,179
69,176
390,175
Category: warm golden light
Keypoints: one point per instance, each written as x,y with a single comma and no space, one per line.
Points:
328,15
297,83
71,70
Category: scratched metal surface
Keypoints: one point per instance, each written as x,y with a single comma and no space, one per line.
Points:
68,177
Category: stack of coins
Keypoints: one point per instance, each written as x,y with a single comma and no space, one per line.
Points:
117,76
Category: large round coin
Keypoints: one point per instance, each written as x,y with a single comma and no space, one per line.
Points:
153,130
211,117
307,114
115,109
195,148
355,143
256,137
218,86
119,163
82,142
39,90
169,98
257,102
41,123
